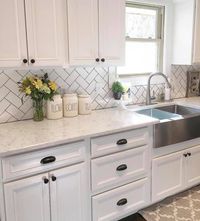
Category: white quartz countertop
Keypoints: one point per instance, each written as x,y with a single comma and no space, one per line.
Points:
28,135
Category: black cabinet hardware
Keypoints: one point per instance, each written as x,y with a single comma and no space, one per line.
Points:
46,180
189,154
122,142
32,61
25,61
122,202
53,178
122,167
185,154
103,60
97,59
49,159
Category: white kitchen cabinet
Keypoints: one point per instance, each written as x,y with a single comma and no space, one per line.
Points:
96,36
186,32
60,194
193,167
68,194
45,25
27,199
196,51
32,33
175,172
167,175
13,48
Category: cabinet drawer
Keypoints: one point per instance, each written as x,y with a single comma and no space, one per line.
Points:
119,141
115,204
117,168
28,163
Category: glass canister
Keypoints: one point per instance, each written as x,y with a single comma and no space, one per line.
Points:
70,105
84,104
55,108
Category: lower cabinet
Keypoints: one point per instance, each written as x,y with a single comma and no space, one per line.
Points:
175,172
114,204
59,194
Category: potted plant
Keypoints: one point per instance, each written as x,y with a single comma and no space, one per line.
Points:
39,89
117,90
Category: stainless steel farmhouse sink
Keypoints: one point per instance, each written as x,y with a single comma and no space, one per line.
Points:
177,124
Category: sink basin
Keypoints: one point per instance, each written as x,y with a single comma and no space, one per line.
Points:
177,123
179,109
159,114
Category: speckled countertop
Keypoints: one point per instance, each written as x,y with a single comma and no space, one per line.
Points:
28,135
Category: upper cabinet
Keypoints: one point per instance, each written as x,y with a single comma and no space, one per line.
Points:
96,32
196,52
186,32
32,33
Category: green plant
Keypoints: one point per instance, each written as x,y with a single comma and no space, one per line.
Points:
117,87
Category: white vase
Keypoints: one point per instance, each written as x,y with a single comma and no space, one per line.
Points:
70,105
84,104
55,108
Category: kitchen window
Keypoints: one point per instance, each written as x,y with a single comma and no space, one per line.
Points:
144,40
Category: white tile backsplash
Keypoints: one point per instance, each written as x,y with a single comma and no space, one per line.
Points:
90,80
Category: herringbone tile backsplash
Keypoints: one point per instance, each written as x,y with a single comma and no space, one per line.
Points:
90,80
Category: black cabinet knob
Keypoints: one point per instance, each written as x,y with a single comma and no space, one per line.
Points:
53,178
189,154
122,202
122,167
32,61
103,60
25,61
97,59
49,159
122,142
185,154
46,180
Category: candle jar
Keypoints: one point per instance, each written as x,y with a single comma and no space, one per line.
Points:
55,108
84,104
70,106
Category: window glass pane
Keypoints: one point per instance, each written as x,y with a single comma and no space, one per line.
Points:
141,57
140,22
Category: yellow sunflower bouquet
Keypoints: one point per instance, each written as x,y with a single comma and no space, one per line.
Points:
39,89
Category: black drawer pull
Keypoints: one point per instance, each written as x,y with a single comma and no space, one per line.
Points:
122,167
122,142
122,202
47,160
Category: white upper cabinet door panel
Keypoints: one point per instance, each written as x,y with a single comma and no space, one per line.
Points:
83,31
196,50
13,34
112,31
68,194
45,32
27,199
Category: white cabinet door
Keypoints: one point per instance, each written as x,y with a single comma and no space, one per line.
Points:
45,32
112,31
13,35
196,50
193,166
68,191
167,175
83,31
27,199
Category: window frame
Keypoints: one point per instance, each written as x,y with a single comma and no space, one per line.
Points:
160,10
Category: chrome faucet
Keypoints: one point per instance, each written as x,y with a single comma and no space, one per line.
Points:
148,97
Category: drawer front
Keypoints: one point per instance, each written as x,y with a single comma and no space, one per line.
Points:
119,141
117,203
37,161
120,167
